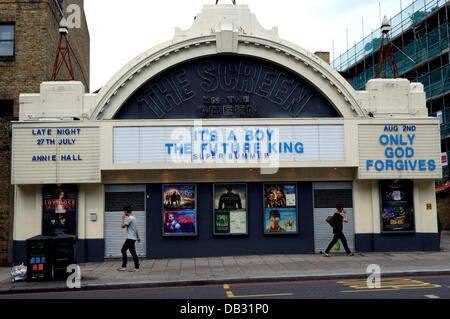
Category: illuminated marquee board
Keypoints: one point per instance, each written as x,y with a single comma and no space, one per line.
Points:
399,151
228,144
52,155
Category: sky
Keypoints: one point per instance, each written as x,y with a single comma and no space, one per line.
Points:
121,30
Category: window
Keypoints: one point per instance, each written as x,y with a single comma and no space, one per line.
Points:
6,109
6,40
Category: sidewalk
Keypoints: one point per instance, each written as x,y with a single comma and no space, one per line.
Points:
222,270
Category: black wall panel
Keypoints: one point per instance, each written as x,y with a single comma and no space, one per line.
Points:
207,245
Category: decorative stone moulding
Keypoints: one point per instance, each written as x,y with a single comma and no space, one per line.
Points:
230,29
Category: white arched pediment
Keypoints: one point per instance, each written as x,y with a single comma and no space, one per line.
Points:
227,29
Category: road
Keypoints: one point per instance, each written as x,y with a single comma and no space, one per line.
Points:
424,287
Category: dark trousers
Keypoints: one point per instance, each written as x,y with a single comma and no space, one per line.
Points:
129,244
338,236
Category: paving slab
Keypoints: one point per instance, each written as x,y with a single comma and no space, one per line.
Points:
251,268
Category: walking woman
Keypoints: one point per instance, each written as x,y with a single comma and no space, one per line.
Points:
337,225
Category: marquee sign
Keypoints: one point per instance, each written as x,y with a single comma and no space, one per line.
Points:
230,144
399,151
51,154
226,87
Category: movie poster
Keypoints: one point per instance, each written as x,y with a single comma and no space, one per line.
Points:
230,209
180,214
280,209
59,210
397,206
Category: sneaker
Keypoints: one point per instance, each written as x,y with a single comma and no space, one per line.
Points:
122,269
351,254
135,270
325,254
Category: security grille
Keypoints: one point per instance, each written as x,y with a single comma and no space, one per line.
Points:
326,196
116,197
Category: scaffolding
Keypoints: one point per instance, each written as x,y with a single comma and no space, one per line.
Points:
406,19
421,42
423,49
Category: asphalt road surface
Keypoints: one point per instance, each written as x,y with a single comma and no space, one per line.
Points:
423,287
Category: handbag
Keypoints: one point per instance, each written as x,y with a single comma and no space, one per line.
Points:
329,220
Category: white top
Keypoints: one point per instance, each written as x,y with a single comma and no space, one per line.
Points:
131,223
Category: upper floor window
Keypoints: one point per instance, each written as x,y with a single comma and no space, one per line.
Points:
7,40
6,109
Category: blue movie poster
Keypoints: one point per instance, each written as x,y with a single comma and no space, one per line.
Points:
281,220
180,215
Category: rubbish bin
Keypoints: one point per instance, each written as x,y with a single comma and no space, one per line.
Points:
63,255
39,258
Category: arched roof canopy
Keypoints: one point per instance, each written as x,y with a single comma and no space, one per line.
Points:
228,32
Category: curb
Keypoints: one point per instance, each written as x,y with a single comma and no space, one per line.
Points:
211,281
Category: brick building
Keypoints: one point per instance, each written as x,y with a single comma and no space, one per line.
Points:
28,42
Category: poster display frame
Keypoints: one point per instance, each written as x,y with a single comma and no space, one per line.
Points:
163,211
214,210
382,206
57,188
290,233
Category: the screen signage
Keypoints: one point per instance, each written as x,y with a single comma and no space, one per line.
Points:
226,87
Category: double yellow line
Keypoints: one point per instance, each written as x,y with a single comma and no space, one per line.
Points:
388,285
231,295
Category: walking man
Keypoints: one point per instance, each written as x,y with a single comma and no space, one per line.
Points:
338,230
129,222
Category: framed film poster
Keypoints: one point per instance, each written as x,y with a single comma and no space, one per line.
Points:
230,209
59,210
280,209
179,210
397,206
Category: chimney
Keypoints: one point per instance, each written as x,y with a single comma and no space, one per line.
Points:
324,56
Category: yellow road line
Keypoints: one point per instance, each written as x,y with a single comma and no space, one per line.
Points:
392,289
387,285
370,290
231,295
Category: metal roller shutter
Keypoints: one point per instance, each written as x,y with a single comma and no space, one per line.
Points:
326,196
116,197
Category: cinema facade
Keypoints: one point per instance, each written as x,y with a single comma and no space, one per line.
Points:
226,140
